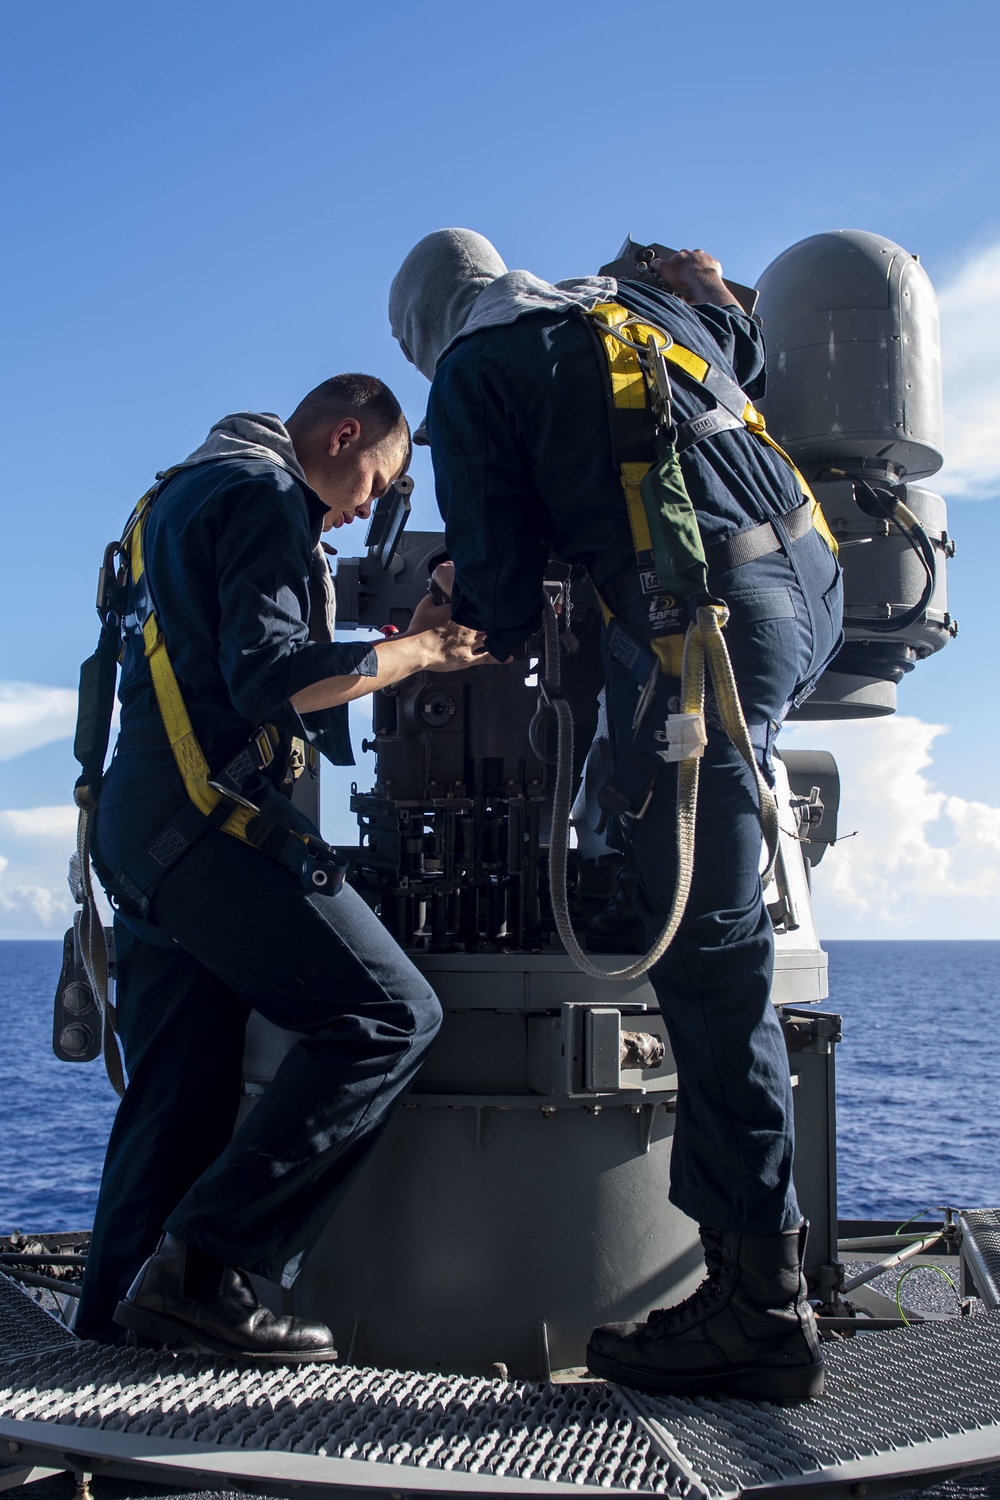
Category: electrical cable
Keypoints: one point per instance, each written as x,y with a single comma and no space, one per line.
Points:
931,1208
882,504
909,1272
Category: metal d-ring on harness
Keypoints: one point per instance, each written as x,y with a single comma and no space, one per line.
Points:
666,538
214,801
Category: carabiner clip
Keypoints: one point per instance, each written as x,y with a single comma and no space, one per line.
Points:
659,381
646,697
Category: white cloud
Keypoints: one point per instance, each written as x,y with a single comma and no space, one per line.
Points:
32,715
970,330
34,909
922,863
37,843
58,822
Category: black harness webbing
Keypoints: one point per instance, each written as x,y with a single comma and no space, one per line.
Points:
742,547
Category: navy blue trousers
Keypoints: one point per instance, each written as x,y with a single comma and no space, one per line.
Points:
731,1166
247,937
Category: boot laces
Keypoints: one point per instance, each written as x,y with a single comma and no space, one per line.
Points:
703,1299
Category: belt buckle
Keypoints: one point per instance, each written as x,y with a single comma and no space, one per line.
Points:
265,750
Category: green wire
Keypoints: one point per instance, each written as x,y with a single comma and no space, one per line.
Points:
940,1271
932,1208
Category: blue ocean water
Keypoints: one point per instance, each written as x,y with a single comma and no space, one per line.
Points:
918,1076
918,1083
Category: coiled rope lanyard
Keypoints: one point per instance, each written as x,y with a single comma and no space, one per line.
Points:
665,535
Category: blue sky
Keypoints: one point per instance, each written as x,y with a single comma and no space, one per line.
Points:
205,204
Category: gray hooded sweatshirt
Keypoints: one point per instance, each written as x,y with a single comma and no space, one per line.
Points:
261,435
453,283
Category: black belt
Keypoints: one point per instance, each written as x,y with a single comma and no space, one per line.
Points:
743,547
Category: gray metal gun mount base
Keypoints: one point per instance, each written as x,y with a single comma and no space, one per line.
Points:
520,1194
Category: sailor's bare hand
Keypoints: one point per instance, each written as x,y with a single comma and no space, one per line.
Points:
452,648
429,613
694,275
444,577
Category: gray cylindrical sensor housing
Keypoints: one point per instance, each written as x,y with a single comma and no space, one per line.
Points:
854,361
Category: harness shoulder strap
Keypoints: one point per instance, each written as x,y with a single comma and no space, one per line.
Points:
309,858
187,751
733,407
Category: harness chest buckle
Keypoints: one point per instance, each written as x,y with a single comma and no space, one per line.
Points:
265,749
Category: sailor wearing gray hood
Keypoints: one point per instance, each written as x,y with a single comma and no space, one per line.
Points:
240,588
524,465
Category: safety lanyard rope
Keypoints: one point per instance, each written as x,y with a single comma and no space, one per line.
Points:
685,656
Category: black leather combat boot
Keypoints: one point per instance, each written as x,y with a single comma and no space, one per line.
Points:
181,1297
747,1331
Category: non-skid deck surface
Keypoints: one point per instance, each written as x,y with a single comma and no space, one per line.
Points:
897,1405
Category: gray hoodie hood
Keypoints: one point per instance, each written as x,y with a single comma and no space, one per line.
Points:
248,434
453,284
262,435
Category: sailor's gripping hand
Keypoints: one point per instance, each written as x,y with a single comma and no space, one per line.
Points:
694,275
434,608
453,647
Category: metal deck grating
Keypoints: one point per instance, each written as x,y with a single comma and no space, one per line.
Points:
887,1394
576,1434
981,1251
26,1328
897,1405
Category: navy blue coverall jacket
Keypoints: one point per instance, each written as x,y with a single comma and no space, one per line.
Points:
228,546
227,552
520,436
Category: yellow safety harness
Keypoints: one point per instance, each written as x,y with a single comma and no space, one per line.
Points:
187,752
647,445
214,801
219,799
627,342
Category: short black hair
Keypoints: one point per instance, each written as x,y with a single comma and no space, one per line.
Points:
362,396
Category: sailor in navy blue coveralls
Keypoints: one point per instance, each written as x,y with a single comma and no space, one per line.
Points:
522,446
520,437
230,554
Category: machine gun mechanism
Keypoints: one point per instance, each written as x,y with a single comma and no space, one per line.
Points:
453,833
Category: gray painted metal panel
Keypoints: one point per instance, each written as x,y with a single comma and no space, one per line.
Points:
490,1231
854,360
883,576
13,1476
